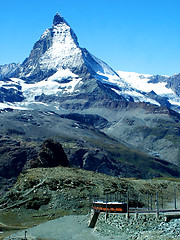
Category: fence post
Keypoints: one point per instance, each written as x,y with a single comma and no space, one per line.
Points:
157,201
25,235
127,205
175,206
137,201
90,201
157,206
151,203
106,207
148,200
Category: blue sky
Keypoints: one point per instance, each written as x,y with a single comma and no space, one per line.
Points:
130,35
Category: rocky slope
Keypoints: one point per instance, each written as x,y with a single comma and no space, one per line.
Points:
7,69
42,194
57,188
22,134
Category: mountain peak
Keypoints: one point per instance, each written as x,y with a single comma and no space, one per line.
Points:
58,19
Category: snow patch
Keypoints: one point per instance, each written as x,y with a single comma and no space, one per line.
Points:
141,82
12,106
50,86
62,73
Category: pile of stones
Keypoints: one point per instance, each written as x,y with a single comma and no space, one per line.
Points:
141,227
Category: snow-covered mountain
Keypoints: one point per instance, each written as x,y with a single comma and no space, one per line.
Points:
57,65
58,50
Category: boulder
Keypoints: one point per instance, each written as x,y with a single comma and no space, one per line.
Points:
50,155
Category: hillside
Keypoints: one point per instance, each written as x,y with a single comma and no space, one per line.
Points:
46,193
22,134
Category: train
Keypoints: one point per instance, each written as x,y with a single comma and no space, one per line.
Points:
114,207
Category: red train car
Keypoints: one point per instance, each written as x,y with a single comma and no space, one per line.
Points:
119,207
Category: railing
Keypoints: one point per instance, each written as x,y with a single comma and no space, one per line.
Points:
157,201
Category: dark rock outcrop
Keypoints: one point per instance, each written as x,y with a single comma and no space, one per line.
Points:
10,95
50,155
88,119
58,19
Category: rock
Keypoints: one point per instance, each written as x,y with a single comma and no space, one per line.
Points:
95,121
51,155
58,19
10,95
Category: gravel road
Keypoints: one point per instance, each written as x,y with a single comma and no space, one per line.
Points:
64,228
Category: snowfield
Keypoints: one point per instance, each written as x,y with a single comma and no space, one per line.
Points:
127,84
